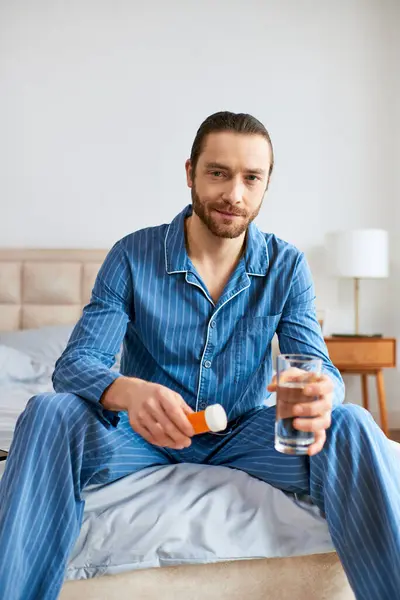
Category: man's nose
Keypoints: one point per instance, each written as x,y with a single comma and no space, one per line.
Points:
233,192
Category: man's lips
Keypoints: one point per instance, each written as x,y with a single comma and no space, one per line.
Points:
227,214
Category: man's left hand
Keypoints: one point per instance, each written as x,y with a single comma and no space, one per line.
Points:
320,410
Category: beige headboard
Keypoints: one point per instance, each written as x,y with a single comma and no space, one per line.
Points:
45,287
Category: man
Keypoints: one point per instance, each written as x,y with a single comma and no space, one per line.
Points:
196,304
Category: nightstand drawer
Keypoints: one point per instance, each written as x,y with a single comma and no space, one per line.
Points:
350,353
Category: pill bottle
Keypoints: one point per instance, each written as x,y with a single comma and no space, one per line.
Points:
213,418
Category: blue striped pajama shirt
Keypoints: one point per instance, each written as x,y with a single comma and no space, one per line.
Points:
149,296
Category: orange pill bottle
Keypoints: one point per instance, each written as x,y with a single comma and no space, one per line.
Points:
213,418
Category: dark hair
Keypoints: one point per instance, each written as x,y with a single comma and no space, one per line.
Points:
228,121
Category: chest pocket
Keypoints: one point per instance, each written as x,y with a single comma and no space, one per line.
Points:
252,343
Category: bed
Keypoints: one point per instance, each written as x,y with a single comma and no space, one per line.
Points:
225,535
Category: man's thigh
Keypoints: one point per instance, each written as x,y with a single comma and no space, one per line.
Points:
124,452
250,448
60,432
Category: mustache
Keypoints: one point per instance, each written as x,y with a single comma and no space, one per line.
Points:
227,209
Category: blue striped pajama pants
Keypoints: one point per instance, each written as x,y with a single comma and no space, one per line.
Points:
62,444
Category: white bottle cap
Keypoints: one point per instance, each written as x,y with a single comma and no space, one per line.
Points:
216,418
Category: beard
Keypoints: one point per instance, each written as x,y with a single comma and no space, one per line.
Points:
219,227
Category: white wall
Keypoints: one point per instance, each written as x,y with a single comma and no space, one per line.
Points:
100,102
393,87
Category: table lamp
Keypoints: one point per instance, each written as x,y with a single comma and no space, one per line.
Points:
358,254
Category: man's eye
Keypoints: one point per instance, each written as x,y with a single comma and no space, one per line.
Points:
216,173
252,177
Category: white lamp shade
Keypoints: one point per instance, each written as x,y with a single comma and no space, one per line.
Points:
362,253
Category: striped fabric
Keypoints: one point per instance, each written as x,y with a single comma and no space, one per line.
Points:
60,446
149,294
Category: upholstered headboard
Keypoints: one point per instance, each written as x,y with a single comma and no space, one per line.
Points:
45,287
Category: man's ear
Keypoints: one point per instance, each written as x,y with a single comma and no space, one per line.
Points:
189,171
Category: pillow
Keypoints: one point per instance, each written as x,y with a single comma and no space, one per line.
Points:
44,345
17,367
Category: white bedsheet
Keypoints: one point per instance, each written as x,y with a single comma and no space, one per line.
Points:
188,513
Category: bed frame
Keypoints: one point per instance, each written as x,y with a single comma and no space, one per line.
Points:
47,287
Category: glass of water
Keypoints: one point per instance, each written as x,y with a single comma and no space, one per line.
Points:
293,373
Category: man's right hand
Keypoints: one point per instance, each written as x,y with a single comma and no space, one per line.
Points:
157,413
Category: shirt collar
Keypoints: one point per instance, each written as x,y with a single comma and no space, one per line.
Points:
177,260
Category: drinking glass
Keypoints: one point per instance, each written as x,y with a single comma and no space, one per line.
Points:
293,373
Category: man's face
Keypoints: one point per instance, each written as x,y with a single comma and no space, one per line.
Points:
230,181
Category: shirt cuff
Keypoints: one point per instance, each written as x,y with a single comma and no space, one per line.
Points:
109,417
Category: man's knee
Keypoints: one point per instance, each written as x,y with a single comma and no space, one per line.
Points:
53,407
350,416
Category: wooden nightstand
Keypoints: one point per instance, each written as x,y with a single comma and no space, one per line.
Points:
365,356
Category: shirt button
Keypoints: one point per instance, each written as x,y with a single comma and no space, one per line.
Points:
213,324
202,405
207,364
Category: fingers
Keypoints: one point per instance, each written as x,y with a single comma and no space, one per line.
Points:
315,416
272,386
292,374
312,409
188,410
320,439
154,434
323,387
173,406
163,429
316,424
158,414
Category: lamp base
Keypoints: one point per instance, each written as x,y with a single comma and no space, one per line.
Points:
357,335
